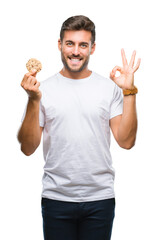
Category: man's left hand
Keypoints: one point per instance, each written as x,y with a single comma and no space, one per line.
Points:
126,78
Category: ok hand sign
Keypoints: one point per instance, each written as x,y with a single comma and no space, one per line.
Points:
126,78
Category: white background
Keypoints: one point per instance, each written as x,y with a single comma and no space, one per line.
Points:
31,29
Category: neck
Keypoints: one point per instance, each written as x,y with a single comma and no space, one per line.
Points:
75,75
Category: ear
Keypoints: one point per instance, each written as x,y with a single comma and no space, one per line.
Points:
93,48
59,44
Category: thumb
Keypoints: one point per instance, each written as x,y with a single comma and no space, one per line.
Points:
111,75
113,72
33,72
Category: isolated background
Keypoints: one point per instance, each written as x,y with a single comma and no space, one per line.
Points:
31,29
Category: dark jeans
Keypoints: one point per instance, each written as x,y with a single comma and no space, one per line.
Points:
77,220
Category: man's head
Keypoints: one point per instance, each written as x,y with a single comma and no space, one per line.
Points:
77,43
77,23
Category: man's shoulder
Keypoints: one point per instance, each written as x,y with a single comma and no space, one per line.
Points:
50,80
104,80
49,83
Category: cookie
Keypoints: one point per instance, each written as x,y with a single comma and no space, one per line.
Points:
34,64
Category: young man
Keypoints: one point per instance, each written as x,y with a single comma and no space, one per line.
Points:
75,110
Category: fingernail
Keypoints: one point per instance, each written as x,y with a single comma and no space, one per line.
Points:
34,70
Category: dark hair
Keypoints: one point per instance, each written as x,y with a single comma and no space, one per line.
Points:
79,22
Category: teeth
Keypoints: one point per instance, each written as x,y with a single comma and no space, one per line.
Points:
75,60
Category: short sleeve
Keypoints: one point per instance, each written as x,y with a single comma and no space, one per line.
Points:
41,115
116,107
24,113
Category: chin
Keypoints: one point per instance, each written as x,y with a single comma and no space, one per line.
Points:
76,70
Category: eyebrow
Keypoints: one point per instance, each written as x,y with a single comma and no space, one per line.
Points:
69,41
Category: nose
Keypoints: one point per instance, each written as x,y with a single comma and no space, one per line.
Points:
76,50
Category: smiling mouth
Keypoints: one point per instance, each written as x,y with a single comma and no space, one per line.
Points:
75,60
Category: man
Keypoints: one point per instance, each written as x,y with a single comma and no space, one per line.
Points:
75,110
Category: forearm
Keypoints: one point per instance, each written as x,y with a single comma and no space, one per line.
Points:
128,125
29,134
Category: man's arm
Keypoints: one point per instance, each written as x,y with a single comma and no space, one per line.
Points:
30,132
124,127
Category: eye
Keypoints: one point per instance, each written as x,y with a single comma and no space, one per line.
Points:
83,45
69,44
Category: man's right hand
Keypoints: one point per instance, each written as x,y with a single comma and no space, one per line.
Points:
31,85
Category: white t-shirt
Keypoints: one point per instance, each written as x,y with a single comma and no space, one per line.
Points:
75,115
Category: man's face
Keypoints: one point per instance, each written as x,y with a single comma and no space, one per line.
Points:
76,49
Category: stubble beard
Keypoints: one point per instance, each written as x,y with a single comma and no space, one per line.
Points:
83,66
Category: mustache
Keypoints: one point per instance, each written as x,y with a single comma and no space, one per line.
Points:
75,56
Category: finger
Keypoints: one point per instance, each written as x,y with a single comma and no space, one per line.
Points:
27,75
33,80
114,70
25,78
26,83
131,64
33,72
35,88
124,60
29,83
137,65
37,85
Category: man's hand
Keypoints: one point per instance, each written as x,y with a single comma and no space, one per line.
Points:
126,78
31,85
